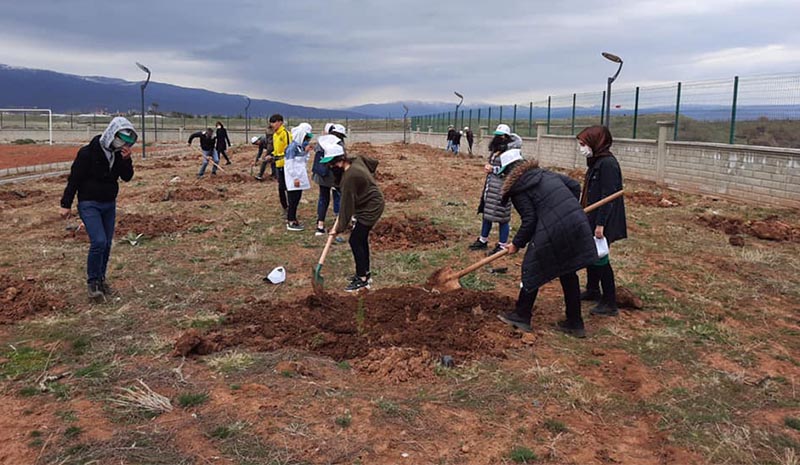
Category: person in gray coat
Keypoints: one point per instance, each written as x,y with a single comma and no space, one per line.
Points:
491,205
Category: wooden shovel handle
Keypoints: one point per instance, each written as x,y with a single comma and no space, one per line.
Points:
328,243
504,252
479,264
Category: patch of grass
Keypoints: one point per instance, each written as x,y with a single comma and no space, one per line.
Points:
227,431
555,426
474,282
94,370
230,362
80,345
29,391
792,422
23,361
25,141
67,415
522,455
345,420
73,432
192,399
343,365
235,387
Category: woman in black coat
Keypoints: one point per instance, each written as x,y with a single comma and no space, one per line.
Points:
223,142
560,239
603,178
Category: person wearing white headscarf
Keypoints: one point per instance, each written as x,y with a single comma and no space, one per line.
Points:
295,172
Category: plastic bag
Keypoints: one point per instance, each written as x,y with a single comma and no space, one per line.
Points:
602,247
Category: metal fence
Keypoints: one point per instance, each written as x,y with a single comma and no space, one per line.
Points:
762,110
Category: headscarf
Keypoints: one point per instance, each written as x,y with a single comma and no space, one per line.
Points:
599,139
299,132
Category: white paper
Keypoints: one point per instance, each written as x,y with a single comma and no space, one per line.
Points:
602,247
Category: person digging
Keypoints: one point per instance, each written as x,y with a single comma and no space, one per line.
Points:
558,236
362,200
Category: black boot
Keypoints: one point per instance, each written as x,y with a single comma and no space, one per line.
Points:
592,295
605,309
95,290
516,321
571,329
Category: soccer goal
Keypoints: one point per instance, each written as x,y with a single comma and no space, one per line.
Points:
25,111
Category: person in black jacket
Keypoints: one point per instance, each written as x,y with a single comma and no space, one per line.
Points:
93,176
451,133
603,178
223,142
208,147
558,236
470,138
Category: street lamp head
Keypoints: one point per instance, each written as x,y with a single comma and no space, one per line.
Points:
458,95
612,57
405,108
143,67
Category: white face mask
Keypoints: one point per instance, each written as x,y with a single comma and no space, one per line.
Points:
585,150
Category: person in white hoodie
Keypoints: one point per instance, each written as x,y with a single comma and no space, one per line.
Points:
295,172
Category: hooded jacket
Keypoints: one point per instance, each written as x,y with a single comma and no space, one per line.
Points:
321,172
361,196
206,143
297,153
96,169
223,141
492,205
553,223
603,178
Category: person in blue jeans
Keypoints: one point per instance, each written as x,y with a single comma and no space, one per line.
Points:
208,146
325,178
94,178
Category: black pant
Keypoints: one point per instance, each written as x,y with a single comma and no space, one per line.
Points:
264,168
282,188
602,275
223,152
294,202
571,287
359,244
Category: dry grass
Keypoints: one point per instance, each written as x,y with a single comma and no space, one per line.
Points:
142,398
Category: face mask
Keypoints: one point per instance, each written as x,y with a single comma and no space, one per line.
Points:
585,150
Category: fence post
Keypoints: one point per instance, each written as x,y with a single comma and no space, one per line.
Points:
470,119
574,99
602,108
661,152
732,138
514,121
461,125
530,119
549,99
636,112
479,119
489,119
677,112
500,119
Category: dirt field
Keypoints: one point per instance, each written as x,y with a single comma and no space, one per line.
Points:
198,360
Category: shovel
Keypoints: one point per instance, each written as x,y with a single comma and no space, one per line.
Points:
445,279
318,282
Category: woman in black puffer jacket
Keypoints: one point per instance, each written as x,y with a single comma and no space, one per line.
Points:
558,236
603,178
223,142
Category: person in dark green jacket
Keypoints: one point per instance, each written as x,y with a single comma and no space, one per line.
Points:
362,200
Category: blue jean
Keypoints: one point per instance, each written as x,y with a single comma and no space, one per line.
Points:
325,200
98,219
505,229
214,156
454,148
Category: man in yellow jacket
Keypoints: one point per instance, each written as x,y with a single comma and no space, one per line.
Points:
280,140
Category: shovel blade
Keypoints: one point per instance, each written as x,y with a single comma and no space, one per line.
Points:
318,281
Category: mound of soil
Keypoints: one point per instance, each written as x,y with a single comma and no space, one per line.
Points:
401,192
382,176
151,226
363,148
20,299
60,179
770,228
405,232
158,165
188,194
650,199
19,194
367,327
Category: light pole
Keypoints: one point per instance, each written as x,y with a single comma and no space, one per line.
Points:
615,59
247,121
144,84
405,114
455,117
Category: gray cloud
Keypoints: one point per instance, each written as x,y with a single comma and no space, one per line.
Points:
359,51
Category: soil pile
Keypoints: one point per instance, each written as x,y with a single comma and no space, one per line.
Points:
407,232
401,192
363,148
188,194
20,299
15,196
231,178
770,228
363,327
650,199
151,226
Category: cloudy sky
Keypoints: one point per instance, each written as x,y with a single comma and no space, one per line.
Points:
350,52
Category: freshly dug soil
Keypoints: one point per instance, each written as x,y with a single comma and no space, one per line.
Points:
401,192
355,327
382,176
151,226
770,228
406,232
20,299
19,195
188,194
651,199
